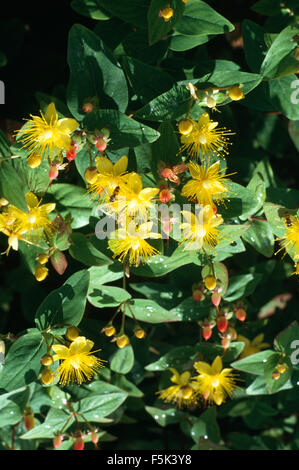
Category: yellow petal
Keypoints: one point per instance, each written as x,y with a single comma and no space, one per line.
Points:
120,166
217,365
189,217
62,352
49,207
175,377
80,345
135,183
184,378
203,368
258,339
51,114
148,193
31,200
194,170
67,125
204,119
104,165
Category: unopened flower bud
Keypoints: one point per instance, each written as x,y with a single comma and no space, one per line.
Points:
87,107
40,273
140,333
275,375
106,132
232,333
91,174
72,333
185,126
71,153
42,258
210,282
79,443
109,331
46,360
225,342
94,437
3,202
235,93
198,295
122,341
281,368
101,144
211,102
166,13
47,376
34,161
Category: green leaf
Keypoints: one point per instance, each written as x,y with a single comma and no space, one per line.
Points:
165,417
133,12
71,199
160,265
89,8
242,202
122,360
280,59
4,145
167,296
157,26
53,423
104,274
97,406
229,234
3,59
166,148
94,72
294,133
157,82
169,106
260,236
65,305
274,214
253,364
191,310
124,131
11,186
12,406
206,426
200,19
209,351
149,311
175,358
83,250
241,286
254,45
180,42
107,296
123,383
22,363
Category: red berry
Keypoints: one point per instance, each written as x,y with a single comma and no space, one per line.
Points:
197,295
222,323
207,332
29,421
87,107
79,443
225,342
71,153
165,195
94,437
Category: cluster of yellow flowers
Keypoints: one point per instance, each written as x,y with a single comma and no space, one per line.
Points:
213,384
28,226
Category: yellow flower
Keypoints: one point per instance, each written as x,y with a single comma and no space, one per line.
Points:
252,347
109,176
134,200
76,361
201,230
205,138
208,184
8,227
183,393
213,382
46,134
129,242
36,219
290,241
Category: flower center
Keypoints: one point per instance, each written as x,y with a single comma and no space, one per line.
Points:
135,245
31,219
202,139
215,382
47,134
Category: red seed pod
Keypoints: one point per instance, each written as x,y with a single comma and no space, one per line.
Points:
241,314
225,342
207,332
222,323
165,195
71,153
101,144
53,172
79,443
167,227
29,421
197,295
57,441
94,437
216,298
87,107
